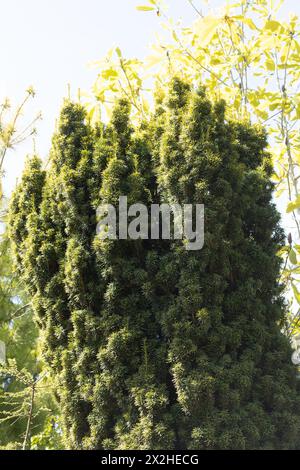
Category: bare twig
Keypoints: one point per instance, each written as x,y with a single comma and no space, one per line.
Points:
195,8
27,433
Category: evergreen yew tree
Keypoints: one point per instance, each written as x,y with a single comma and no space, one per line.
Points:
155,346
235,384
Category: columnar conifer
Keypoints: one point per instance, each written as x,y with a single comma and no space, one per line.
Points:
225,313
155,346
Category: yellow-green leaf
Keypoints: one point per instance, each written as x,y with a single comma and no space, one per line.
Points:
118,51
145,8
293,205
273,25
292,256
206,28
248,21
270,65
296,293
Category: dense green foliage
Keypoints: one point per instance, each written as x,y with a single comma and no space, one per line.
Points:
20,410
19,334
154,346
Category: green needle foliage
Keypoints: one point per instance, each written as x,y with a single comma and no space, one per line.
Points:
235,384
154,346
26,393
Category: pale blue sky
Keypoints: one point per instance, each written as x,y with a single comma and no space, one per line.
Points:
49,43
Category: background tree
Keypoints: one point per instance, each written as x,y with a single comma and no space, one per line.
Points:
13,131
24,402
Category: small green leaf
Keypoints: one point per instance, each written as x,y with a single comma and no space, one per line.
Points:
248,21
206,29
175,35
293,256
270,65
296,293
273,25
144,8
293,205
